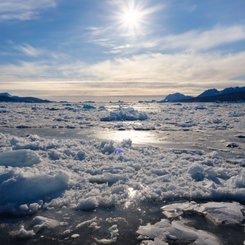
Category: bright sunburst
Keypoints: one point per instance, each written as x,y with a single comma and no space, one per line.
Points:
131,17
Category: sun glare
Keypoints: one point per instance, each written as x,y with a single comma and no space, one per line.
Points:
131,18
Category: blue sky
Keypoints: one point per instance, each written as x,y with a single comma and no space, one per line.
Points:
60,48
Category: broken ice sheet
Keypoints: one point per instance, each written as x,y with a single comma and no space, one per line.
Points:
219,213
49,169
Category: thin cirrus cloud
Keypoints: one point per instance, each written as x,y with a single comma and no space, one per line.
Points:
29,50
204,40
198,40
191,71
23,10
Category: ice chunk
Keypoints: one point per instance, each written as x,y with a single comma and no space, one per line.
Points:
54,155
21,158
217,212
74,236
18,189
23,233
39,222
224,213
70,126
239,180
176,231
81,155
88,204
177,209
197,172
127,114
88,106
107,147
87,222
24,209
155,242
103,241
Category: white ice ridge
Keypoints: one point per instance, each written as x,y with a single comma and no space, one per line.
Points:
125,114
20,158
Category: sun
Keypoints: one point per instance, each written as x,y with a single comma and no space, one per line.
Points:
131,18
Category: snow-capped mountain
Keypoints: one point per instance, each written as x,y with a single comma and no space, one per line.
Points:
175,97
209,92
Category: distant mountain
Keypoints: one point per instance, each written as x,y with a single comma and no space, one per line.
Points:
175,97
232,90
209,92
232,94
215,92
6,97
233,97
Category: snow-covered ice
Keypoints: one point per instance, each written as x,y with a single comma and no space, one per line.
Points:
167,232
21,158
125,114
217,212
64,165
18,188
88,204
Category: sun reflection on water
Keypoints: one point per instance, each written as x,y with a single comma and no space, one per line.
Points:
137,137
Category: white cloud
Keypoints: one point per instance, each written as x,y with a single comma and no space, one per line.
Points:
204,40
29,50
140,74
182,68
196,40
23,10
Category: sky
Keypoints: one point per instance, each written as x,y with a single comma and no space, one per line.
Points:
84,48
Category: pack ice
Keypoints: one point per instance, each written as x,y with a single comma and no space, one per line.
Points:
54,166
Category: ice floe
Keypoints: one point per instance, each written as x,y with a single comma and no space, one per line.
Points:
168,232
176,230
21,158
17,189
217,212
